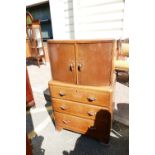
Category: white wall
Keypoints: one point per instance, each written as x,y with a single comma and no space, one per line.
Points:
95,19
69,19
126,20
34,2
62,19
58,19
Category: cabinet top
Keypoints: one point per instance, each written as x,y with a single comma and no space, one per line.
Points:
81,41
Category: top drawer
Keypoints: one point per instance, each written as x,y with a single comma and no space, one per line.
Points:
83,95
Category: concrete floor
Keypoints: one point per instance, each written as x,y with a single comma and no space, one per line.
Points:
47,141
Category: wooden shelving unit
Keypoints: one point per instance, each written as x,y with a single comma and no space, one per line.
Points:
33,31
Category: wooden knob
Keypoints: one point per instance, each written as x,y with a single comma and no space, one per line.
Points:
61,93
63,107
91,113
65,121
91,99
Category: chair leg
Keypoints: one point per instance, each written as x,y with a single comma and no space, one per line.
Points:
38,62
116,74
44,60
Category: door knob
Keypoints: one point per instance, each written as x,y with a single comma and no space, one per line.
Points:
79,67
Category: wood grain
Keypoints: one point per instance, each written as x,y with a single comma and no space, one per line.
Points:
97,129
84,95
62,60
88,58
77,109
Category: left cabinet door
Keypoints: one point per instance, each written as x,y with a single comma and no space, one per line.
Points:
62,59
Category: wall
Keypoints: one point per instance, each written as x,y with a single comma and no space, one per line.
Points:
34,2
58,19
98,18
90,19
69,19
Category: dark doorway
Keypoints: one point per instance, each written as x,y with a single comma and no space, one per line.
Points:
42,12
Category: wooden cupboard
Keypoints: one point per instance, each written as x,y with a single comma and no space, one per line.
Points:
82,86
76,61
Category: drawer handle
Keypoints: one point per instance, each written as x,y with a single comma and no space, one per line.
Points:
91,113
91,99
65,121
71,67
61,94
63,107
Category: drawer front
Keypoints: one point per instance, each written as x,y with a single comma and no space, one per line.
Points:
73,123
78,109
96,129
81,95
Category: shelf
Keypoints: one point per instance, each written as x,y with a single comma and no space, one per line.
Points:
45,20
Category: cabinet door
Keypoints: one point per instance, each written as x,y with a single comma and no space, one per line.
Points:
62,59
94,63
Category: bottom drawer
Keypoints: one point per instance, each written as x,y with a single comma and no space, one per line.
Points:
97,129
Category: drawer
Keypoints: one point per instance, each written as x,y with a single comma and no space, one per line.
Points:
96,129
83,95
78,109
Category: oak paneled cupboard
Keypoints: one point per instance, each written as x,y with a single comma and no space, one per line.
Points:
82,85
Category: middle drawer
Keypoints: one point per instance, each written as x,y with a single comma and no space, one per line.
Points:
78,109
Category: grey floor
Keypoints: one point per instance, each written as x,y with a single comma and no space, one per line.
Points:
47,141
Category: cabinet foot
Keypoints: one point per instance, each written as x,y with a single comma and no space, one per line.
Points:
58,128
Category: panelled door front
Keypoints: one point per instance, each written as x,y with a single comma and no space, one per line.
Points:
62,59
94,63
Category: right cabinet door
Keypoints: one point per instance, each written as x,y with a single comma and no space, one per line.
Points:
94,63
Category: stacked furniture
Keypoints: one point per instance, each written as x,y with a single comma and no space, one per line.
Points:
82,85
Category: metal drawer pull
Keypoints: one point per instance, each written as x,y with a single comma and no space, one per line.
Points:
79,67
61,94
65,121
91,113
71,67
91,99
63,107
